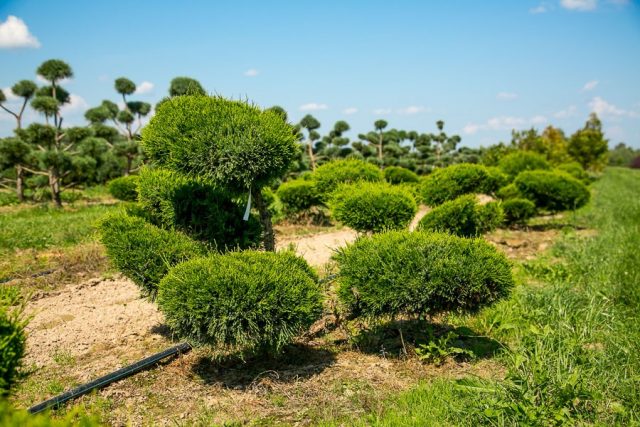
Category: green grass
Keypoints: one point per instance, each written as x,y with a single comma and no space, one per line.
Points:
573,345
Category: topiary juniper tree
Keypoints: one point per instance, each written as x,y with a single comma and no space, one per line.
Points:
24,89
14,154
232,144
310,123
53,71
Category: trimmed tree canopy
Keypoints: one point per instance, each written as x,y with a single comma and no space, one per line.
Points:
54,70
124,86
185,86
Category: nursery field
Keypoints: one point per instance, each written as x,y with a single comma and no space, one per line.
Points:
563,347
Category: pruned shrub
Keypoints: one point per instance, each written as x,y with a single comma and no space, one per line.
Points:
298,195
508,192
420,274
247,301
12,338
330,175
456,180
124,188
575,170
553,191
498,179
519,161
197,208
518,211
399,175
143,252
372,207
463,217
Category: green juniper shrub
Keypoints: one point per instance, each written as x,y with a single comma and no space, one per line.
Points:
518,211
575,170
197,208
508,192
519,161
13,417
552,191
12,337
498,179
372,206
124,188
398,175
463,216
420,273
143,252
274,204
329,175
456,180
298,195
241,301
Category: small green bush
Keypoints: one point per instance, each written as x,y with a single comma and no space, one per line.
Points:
518,211
298,195
202,211
12,337
331,174
508,192
456,180
399,175
8,198
11,417
575,170
498,179
553,191
143,252
519,161
373,207
420,273
124,188
248,301
463,217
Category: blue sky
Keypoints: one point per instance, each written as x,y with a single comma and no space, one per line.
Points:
484,67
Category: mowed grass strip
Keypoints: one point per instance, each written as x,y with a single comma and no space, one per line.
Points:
572,345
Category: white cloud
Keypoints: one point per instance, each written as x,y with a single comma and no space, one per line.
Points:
14,33
538,9
581,5
590,85
568,112
506,96
144,87
350,110
9,94
503,123
313,106
251,72
382,111
412,109
606,109
76,104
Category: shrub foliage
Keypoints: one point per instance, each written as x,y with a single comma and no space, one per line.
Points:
454,181
575,170
519,161
124,188
553,191
517,210
373,207
12,338
399,175
248,301
463,217
420,273
298,195
330,175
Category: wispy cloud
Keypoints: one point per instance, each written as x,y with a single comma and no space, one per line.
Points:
313,106
252,72
570,111
350,110
604,108
382,111
412,109
503,123
579,5
76,104
507,96
9,94
538,9
15,34
590,85
144,87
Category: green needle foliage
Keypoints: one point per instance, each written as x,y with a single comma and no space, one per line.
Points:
399,175
12,338
518,211
298,195
373,207
125,188
419,274
185,86
552,191
330,175
244,301
514,163
456,180
463,217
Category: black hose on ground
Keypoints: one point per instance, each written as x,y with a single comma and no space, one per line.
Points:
110,378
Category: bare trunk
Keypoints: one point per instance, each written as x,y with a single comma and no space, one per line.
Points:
269,237
310,152
127,171
19,186
54,184
380,151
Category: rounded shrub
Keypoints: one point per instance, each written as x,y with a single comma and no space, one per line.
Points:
197,208
508,192
498,179
576,170
553,191
463,217
248,301
372,207
12,338
298,195
330,175
456,180
420,273
399,175
124,188
143,252
518,211
519,161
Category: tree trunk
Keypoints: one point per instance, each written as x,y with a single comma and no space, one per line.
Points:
127,171
269,237
19,186
380,151
54,184
310,152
